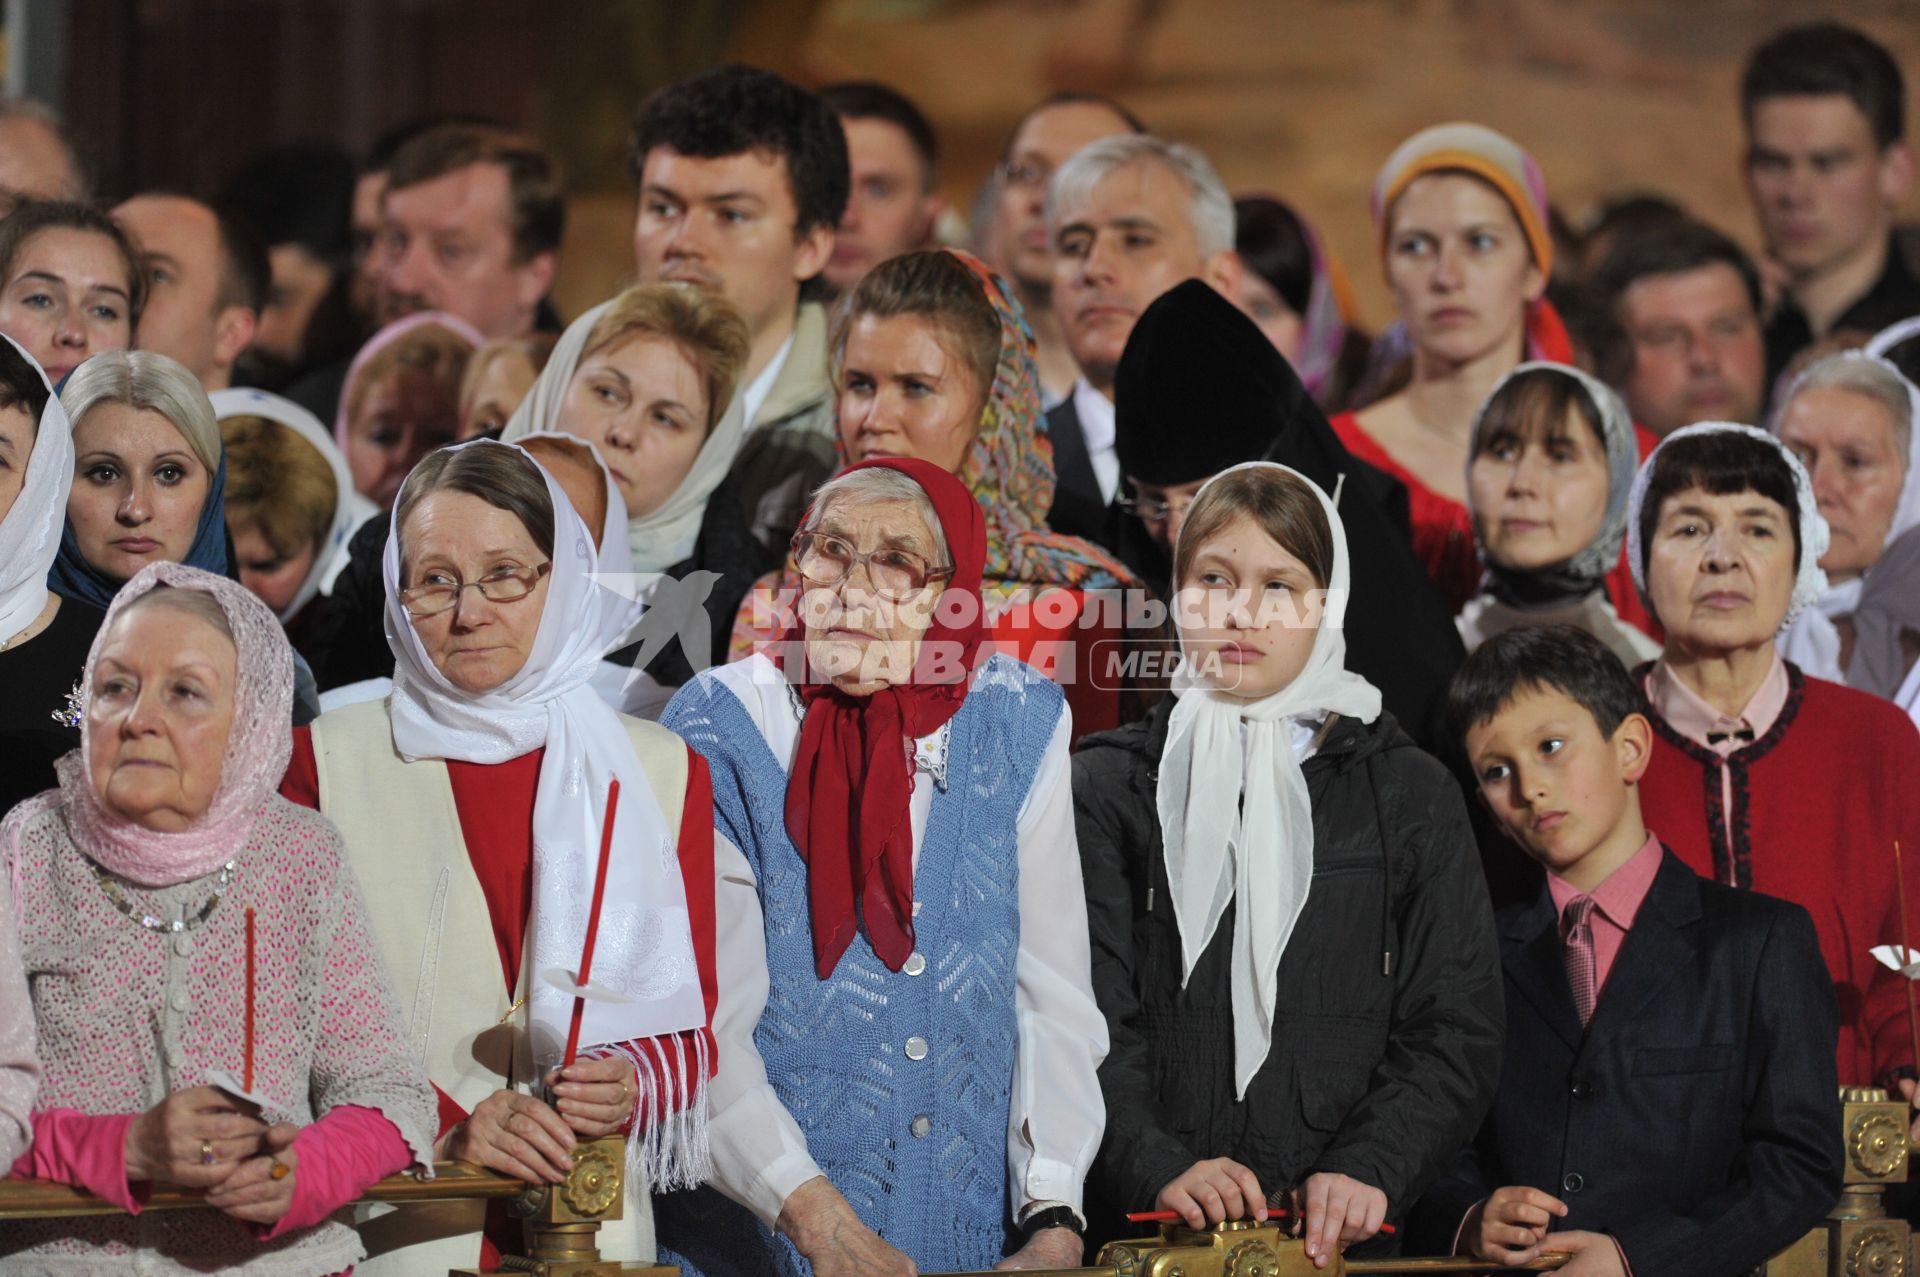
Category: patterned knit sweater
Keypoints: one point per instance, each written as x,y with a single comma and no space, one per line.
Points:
872,1060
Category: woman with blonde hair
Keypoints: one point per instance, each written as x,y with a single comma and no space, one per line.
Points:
648,379
149,475
290,505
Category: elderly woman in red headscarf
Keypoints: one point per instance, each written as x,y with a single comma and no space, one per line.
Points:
908,1039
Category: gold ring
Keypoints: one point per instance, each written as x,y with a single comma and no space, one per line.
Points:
206,1153
280,1170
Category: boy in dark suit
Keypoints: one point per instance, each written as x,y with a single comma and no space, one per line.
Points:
1668,1101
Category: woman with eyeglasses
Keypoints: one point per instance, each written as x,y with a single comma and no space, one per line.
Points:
908,1039
492,743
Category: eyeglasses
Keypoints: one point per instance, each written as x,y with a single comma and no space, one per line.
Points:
1024,174
498,587
897,575
1153,511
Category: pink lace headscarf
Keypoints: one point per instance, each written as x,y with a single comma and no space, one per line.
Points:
259,745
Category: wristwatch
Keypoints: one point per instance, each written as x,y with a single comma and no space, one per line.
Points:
1053,1217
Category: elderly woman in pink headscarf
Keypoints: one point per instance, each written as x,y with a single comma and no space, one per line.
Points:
401,399
209,1006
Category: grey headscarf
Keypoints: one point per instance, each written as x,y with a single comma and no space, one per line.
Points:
1586,570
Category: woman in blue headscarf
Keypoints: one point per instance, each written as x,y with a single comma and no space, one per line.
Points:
149,485
149,475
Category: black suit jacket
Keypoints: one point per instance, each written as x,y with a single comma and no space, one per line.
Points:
1697,1118
1079,508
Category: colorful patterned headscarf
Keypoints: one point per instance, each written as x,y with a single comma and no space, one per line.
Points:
1010,471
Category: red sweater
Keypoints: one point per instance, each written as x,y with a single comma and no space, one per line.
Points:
1817,804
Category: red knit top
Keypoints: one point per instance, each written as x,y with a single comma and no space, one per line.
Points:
1817,804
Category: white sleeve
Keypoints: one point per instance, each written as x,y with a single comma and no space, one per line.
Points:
1058,1114
759,1153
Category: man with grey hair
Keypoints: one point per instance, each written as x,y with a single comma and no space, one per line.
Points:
1130,216
37,159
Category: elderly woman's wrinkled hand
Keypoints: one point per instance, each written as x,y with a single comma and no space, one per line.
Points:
260,1189
516,1135
824,1228
595,1096
192,1138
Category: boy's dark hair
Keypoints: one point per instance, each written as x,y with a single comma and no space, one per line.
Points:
1673,249
536,193
735,109
21,384
1824,58
1533,658
871,100
1722,463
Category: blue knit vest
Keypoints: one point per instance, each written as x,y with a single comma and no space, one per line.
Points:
917,1146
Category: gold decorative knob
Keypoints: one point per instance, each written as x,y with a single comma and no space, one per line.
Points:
1124,1259
1863,1095
1877,1252
1252,1259
594,1183
1876,1141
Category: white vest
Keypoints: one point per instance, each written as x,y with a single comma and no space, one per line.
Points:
430,919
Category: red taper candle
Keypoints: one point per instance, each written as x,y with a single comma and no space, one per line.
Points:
593,924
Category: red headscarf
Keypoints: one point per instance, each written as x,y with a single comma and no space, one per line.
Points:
847,798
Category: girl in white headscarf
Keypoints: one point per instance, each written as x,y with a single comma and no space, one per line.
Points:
1291,935
473,800
648,378
1850,419
44,636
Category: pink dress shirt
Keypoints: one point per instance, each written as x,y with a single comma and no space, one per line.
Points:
1616,902
1688,713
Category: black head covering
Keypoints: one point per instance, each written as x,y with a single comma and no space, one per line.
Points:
1200,388
1177,418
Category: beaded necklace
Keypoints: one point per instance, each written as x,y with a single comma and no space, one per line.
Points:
185,922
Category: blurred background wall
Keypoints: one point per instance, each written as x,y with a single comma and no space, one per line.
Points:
1301,97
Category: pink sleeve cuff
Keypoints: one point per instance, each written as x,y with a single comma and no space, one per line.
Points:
337,1157
83,1149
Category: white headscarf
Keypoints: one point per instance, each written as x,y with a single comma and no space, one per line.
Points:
350,509
1252,843
1813,641
30,533
667,535
645,947
1808,584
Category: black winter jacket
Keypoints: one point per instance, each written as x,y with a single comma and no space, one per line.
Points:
1390,1017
